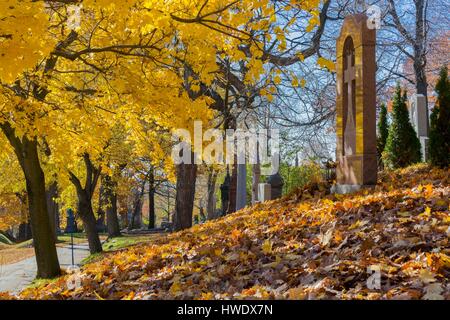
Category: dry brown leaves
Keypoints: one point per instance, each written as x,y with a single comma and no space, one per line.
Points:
306,246
12,255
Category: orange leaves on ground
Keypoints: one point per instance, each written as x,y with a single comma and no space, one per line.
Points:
236,235
309,245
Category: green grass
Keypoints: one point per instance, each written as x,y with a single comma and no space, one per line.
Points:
25,244
92,258
4,239
40,282
66,237
123,242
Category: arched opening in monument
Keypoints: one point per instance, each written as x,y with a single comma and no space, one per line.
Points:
349,101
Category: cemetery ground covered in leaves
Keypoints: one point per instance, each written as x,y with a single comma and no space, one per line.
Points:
308,245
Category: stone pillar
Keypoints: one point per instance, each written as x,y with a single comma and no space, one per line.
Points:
419,118
233,188
241,190
356,149
424,148
264,193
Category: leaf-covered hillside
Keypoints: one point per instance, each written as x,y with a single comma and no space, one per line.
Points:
307,246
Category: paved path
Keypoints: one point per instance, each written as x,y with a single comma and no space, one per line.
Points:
15,277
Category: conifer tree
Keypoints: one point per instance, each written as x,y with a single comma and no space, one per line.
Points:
439,144
383,129
402,145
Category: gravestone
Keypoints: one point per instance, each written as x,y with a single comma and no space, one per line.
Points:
419,118
241,189
356,151
264,193
276,183
71,224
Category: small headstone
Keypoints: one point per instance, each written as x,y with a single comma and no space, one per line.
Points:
71,225
264,193
166,225
276,185
419,118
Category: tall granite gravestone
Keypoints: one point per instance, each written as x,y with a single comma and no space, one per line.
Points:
356,151
241,188
264,193
419,118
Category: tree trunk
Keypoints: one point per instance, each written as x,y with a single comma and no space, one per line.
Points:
210,205
151,200
85,195
43,235
420,60
186,178
418,42
25,226
123,211
102,204
112,220
26,151
136,213
52,207
89,222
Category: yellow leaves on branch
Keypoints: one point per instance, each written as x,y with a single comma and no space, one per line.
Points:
97,86
202,31
313,22
325,63
296,82
23,36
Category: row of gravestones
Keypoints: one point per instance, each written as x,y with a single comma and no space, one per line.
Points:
356,150
270,190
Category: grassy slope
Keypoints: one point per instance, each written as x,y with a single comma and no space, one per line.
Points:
306,246
4,240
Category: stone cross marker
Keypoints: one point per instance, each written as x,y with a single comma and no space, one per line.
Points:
418,116
356,152
349,83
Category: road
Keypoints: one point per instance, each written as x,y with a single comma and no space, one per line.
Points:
15,277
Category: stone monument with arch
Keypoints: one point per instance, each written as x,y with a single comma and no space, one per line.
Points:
356,152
